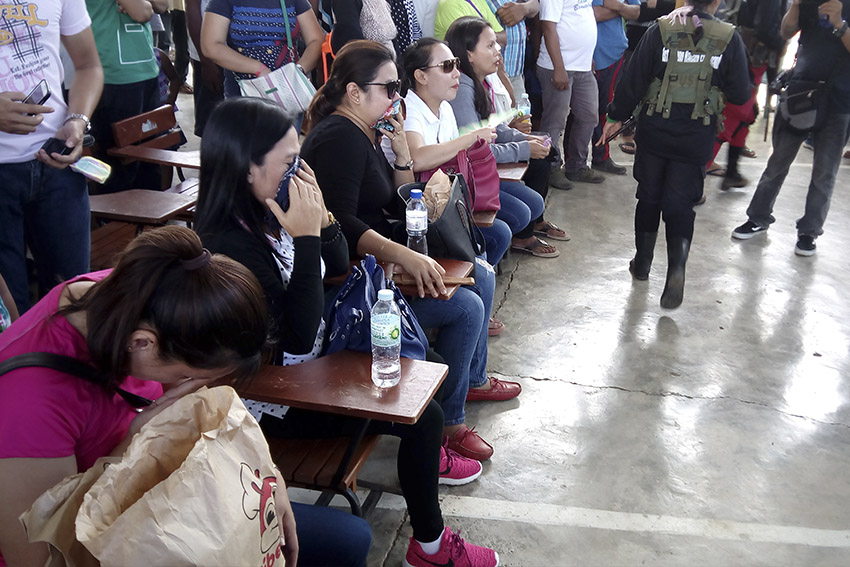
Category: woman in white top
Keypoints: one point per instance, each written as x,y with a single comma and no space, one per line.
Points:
432,79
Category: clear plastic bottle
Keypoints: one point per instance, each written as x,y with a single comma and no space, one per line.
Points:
416,218
386,341
523,107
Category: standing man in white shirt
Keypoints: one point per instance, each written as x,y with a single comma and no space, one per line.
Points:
564,69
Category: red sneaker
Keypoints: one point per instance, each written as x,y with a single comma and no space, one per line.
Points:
453,552
455,469
469,444
500,390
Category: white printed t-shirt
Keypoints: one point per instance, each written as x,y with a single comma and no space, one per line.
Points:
576,27
29,52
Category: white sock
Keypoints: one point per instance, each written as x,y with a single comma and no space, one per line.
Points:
431,547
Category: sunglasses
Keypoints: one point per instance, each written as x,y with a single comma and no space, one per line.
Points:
446,66
391,86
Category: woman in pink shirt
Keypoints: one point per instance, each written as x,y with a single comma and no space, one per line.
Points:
169,317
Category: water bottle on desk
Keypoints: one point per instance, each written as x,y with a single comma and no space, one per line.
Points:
386,341
416,219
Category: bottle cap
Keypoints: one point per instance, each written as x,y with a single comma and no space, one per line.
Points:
416,193
385,295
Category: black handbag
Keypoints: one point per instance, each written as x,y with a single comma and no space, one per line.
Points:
803,105
454,235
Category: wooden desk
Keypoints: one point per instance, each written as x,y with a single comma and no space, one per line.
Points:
341,383
454,269
512,171
140,206
484,218
173,158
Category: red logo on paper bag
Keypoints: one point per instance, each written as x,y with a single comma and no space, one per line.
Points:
258,500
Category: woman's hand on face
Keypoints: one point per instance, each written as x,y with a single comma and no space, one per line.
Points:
306,173
304,217
538,150
427,272
397,138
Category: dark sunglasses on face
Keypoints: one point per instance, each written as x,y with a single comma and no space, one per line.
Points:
391,86
446,66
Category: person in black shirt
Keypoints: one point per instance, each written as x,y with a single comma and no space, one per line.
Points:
822,56
673,148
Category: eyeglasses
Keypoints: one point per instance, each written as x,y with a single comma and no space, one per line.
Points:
446,66
391,86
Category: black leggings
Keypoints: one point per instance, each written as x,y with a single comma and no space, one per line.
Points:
418,455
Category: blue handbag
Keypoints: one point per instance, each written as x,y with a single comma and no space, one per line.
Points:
348,317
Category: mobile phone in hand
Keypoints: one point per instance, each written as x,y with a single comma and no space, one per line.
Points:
39,94
56,146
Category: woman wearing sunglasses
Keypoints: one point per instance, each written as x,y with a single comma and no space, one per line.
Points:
473,42
359,185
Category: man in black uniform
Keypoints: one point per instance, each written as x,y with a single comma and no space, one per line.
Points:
683,68
824,55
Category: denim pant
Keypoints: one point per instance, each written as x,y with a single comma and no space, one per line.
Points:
520,206
349,545
462,340
498,239
829,144
46,209
581,100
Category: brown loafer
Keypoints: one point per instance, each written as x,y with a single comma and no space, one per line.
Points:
469,444
499,391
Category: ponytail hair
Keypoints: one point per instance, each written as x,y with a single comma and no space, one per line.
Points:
207,311
416,57
462,37
357,62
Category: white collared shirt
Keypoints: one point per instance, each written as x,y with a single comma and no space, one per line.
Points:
421,119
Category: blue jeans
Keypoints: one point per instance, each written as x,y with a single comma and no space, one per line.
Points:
46,209
348,546
520,206
829,144
462,340
498,240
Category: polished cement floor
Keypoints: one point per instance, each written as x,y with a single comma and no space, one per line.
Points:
714,434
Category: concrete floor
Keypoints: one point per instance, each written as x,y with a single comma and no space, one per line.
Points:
715,434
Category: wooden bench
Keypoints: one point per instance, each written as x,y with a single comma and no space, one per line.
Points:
341,383
108,241
148,137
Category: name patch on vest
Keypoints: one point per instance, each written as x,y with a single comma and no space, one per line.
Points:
689,57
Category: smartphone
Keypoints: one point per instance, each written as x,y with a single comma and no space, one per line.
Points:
39,94
56,146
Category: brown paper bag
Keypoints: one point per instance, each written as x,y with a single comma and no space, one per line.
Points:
51,518
436,194
195,487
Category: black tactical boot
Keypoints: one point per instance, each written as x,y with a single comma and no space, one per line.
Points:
645,246
677,256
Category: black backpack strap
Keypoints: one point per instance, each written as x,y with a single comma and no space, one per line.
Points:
68,365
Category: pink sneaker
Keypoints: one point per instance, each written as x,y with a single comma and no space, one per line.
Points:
453,552
455,469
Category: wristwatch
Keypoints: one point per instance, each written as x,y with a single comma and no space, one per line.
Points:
838,32
78,116
406,167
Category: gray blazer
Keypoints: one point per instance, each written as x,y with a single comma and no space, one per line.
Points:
510,145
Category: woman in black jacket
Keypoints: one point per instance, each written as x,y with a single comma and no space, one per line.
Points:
250,154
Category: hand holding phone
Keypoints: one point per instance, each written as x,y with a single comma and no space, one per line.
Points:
21,114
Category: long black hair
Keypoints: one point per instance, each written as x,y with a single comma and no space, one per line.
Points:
241,131
462,37
207,311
